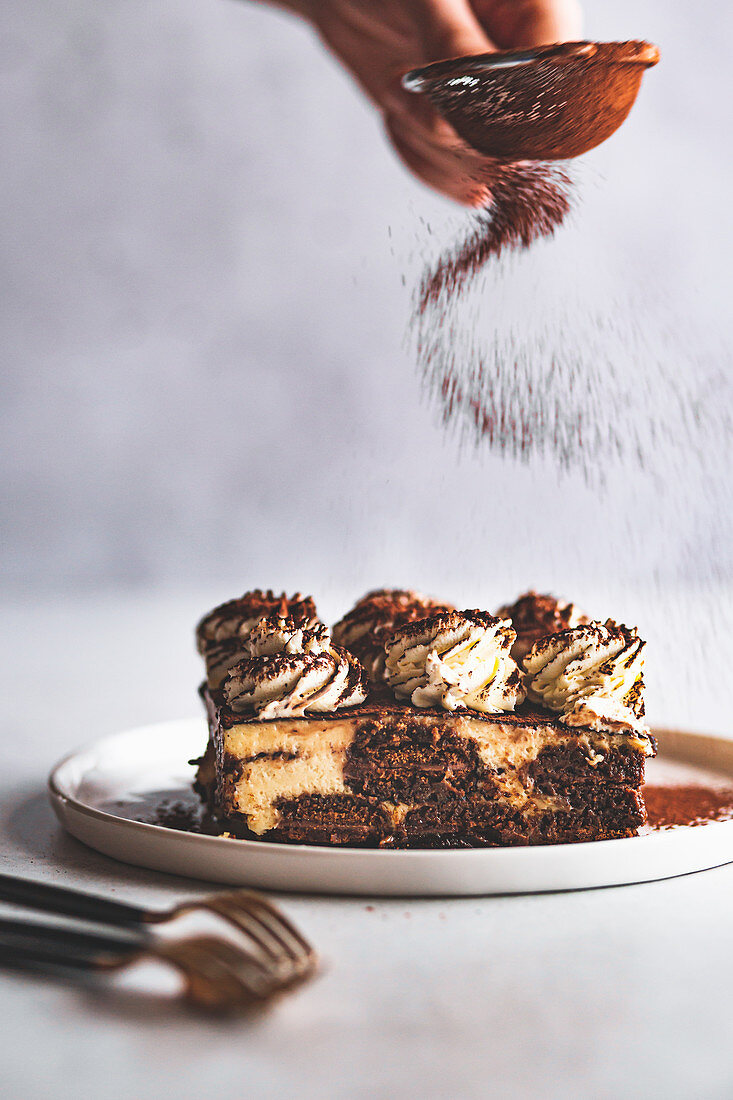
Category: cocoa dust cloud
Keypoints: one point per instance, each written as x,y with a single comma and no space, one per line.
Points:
589,384
528,201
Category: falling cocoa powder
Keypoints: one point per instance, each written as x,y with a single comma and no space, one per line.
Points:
599,382
528,201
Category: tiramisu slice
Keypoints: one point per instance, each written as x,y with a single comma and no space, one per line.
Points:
446,751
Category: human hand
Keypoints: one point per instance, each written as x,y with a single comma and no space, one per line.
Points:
380,40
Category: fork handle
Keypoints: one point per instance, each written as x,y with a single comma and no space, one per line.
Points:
21,942
30,954
71,903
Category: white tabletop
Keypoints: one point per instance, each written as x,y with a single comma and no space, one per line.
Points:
608,993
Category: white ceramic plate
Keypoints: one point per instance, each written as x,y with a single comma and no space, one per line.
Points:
96,791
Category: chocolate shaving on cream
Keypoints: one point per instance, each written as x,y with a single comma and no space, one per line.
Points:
455,660
276,634
293,669
592,675
292,685
235,618
270,636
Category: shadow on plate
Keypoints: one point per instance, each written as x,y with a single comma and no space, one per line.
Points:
34,842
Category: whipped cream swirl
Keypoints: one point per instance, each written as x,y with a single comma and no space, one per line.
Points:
364,629
295,684
235,618
593,675
220,656
455,660
293,669
276,634
270,636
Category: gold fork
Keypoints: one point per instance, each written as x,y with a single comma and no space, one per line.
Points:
277,955
218,975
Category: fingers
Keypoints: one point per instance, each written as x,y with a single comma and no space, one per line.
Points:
442,28
379,41
449,28
446,170
426,143
516,23
552,21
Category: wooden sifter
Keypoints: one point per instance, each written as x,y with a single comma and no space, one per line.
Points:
549,103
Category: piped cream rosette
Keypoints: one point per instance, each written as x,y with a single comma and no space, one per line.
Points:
456,660
236,618
592,675
293,670
279,634
232,627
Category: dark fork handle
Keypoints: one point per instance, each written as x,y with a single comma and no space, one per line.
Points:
72,903
21,942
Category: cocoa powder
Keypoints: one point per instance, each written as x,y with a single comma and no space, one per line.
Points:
596,379
528,201
689,804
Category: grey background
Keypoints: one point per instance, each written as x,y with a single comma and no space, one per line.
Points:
208,259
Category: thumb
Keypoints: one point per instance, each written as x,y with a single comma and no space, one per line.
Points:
449,28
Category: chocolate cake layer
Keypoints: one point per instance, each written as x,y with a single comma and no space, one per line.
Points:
396,775
460,822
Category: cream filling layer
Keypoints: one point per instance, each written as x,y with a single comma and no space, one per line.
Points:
318,751
318,757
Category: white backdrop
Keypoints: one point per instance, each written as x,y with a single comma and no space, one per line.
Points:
203,315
